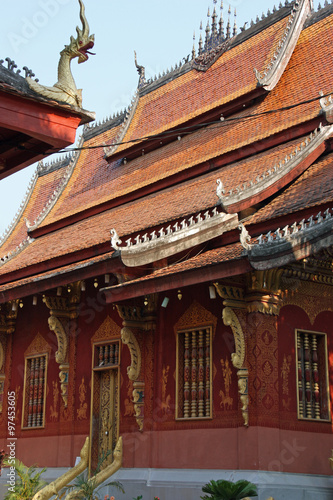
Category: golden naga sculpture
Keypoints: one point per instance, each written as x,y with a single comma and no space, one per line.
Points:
62,481
65,89
102,476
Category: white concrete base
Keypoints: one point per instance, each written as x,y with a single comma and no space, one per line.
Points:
185,484
179,484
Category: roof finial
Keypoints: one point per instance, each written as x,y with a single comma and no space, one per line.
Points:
235,25
193,48
207,35
141,70
229,25
221,24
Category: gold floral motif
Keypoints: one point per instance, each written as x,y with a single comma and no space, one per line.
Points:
165,398
285,370
128,403
54,414
38,346
313,298
108,330
226,401
82,411
195,317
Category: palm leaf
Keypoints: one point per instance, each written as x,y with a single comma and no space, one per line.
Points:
227,490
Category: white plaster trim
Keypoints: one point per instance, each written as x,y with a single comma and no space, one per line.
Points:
124,127
22,207
57,192
293,242
326,104
269,77
284,167
171,240
16,250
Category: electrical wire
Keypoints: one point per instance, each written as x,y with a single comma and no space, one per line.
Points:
193,128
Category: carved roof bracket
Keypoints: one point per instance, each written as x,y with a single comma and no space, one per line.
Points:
263,292
141,317
133,372
232,296
63,310
269,77
8,316
230,318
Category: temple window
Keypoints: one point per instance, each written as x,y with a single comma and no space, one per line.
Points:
312,376
34,394
194,374
106,355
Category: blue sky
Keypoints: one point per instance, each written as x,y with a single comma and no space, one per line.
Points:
34,32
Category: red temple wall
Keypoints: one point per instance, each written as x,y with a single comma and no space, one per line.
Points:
269,442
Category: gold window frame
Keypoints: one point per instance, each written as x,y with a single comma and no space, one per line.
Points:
326,377
27,358
178,361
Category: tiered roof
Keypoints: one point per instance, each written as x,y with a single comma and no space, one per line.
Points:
158,165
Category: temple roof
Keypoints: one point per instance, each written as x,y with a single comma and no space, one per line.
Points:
202,143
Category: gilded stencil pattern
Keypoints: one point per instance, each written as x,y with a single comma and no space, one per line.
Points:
265,359
165,398
38,346
54,414
108,330
313,298
195,317
128,403
226,401
68,413
149,373
104,412
82,410
285,370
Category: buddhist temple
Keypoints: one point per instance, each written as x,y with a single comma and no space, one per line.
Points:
166,287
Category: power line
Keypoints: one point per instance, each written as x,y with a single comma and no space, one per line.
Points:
194,128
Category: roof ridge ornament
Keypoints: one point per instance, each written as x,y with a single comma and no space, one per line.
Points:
326,103
129,113
57,192
17,217
65,89
269,76
278,171
216,40
141,70
174,238
294,242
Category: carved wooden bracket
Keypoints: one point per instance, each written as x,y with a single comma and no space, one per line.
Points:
142,318
8,316
129,339
138,400
238,359
263,292
62,310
